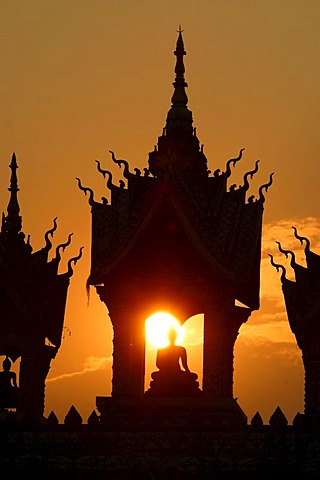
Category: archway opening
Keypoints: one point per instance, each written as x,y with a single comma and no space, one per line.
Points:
158,326
190,336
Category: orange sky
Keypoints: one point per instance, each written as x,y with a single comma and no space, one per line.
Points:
79,78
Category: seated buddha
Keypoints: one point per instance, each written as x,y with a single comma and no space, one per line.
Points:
8,386
171,379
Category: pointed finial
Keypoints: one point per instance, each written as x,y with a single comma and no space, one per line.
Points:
278,419
73,417
179,118
13,222
179,96
256,420
52,420
13,206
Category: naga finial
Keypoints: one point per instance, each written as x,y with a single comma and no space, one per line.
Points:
278,266
286,253
74,261
62,247
109,183
232,161
100,170
265,187
250,174
126,171
50,233
301,239
86,190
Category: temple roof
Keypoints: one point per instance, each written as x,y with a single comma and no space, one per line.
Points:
32,293
221,223
302,295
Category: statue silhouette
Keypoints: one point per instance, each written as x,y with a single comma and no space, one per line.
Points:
168,358
170,380
8,386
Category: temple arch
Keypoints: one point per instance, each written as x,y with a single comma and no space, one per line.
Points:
192,340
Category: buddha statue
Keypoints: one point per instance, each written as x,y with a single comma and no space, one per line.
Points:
171,380
8,386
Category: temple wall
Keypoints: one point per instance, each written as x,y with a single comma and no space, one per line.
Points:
85,453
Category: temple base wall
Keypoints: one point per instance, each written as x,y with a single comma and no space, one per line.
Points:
180,413
87,454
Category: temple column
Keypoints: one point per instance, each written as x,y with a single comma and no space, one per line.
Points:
221,326
26,402
128,350
44,356
215,358
311,361
34,368
139,354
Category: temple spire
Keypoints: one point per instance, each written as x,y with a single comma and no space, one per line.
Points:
179,118
178,148
179,96
13,221
13,206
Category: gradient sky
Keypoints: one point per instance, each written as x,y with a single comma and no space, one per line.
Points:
81,77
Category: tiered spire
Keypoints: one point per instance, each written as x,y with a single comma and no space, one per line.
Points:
12,223
178,149
179,117
179,97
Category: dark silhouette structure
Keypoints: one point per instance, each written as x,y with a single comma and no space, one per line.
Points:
32,303
303,307
176,239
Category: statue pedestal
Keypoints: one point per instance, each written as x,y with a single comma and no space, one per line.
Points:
181,384
170,414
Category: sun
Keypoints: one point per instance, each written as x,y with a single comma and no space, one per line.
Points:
157,326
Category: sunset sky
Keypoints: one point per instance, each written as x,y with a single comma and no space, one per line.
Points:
81,77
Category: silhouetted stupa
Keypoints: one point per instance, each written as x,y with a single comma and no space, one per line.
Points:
177,239
32,303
